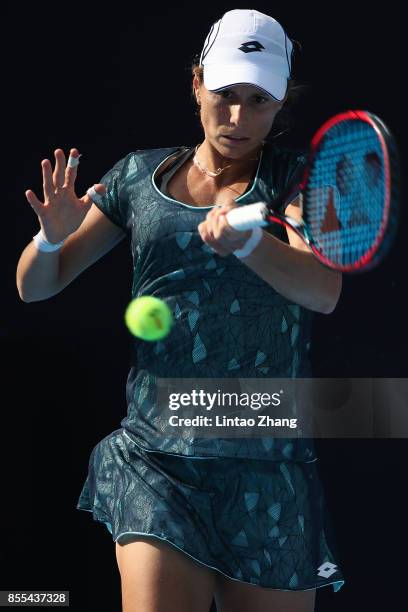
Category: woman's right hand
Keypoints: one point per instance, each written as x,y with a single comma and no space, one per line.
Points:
62,212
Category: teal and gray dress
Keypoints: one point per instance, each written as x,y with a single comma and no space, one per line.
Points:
252,509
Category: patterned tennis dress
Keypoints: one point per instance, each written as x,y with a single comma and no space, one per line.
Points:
250,508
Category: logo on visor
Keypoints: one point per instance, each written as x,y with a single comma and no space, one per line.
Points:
251,46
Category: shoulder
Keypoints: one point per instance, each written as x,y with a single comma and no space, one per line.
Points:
138,161
151,158
161,153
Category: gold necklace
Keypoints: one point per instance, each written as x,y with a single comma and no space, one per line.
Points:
204,170
210,172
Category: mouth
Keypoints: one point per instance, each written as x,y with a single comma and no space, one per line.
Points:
236,138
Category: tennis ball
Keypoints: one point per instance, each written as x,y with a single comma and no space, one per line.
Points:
148,318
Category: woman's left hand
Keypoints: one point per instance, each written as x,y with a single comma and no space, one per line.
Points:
217,232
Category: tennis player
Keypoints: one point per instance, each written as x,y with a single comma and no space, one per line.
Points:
242,521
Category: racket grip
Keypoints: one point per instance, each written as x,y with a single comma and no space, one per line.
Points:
247,217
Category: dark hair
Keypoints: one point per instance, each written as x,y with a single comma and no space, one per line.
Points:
284,120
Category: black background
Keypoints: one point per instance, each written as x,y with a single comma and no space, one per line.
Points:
109,79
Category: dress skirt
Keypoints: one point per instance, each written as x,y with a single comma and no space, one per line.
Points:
257,521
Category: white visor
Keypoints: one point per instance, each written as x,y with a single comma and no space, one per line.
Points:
219,77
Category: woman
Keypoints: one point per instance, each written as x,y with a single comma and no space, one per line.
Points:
240,520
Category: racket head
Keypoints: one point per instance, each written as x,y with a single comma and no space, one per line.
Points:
350,192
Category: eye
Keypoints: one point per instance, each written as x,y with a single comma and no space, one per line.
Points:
261,99
225,93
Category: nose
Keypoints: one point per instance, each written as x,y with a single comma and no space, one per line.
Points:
236,113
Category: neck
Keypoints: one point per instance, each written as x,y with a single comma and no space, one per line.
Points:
234,169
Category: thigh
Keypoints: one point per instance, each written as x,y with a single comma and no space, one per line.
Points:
156,577
234,596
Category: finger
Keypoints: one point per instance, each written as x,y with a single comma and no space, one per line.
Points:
72,168
206,231
227,237
211,228
48,185
203,230
222,209
59,171
221,228
93,194
34,202
225,208
216,211
233,235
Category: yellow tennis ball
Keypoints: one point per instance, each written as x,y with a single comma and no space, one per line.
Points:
148,318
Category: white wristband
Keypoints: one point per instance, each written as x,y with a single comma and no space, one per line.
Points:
42,243
250,244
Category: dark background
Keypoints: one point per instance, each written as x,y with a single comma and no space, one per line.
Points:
109,79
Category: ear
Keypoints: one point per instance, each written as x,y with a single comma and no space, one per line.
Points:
196,84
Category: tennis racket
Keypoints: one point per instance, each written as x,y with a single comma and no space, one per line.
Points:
349,192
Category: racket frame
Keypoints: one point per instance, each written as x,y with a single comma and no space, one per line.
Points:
368,260
297,189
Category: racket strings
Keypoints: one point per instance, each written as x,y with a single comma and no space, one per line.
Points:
345,196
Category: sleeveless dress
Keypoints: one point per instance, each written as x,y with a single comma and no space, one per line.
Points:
250,508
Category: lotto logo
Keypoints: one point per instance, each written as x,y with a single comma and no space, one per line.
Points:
326,570
251,46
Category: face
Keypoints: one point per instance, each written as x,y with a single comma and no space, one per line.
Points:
237,119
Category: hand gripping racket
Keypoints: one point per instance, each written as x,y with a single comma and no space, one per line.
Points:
349,191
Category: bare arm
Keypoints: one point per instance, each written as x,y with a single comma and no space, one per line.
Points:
37,273
296,274
291,269
294,271
41,275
